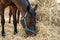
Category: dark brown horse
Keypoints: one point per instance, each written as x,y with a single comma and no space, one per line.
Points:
11,13
28,15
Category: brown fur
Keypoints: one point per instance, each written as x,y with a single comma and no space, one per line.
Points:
22,7
11,13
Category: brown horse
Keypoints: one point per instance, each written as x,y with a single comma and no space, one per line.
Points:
11,13
28,15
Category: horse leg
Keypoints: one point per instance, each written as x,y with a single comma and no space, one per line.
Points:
2,23
2,7
10,17
15,23
10,13
14,20
18,16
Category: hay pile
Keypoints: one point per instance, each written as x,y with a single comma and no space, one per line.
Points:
48,19
48,23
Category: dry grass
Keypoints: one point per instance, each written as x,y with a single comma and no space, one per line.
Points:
48,23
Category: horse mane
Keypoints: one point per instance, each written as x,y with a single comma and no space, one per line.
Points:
28,7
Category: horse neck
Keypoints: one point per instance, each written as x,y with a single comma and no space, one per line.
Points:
21,4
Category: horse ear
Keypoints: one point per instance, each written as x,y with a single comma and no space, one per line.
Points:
35,7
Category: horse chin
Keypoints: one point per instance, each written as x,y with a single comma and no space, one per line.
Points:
32,27
30,33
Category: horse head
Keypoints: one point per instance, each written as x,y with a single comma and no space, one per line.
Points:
31,18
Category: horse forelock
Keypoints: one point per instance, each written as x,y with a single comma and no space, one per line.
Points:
32,12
